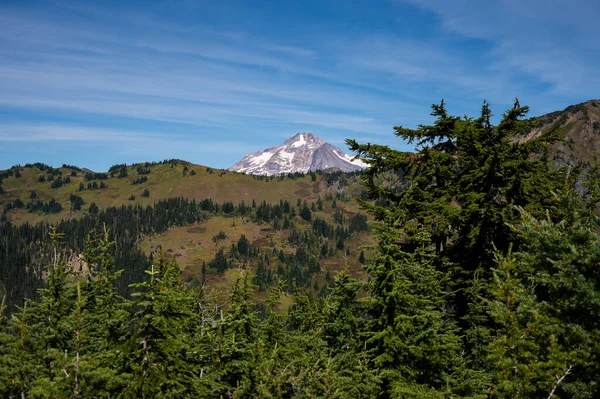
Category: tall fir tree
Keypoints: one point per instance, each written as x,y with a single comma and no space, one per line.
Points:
158,349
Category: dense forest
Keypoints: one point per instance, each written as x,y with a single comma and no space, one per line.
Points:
485,284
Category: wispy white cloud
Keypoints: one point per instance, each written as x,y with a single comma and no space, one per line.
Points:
55,133
89,65
553,42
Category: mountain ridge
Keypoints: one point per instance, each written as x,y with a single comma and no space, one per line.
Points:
579,128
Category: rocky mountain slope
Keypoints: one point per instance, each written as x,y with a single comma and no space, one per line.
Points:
303,152
579,127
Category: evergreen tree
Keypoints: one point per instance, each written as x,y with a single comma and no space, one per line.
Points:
17,362
235,339
415,344
547,306
305,213
159,345
461,188
104,322
50,328
361,257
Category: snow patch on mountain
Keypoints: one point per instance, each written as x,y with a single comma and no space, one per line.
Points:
302,153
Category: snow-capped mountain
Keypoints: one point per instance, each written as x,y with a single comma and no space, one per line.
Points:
303,152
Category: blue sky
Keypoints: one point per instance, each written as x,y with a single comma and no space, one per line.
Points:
102,82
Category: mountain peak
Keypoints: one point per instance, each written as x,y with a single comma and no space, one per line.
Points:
302,153
301,139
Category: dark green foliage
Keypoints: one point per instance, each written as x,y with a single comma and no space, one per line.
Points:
459,196
21,267
415,342
76,202
228,207
59,182
140,180
143,170
146,193
93,186
15,204
156,352
220,236
243,246
219,263
52,206
93,209
114,169
72,167
305,213
96,176
263,276
547,305
236,336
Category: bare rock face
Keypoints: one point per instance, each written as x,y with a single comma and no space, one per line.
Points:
302,153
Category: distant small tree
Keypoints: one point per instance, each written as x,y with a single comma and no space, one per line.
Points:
220,262
305,213
361,257
93,209
243,245
76,202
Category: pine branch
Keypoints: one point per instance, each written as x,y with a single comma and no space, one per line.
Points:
559,380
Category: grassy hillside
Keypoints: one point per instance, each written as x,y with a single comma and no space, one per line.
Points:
177,179
193,245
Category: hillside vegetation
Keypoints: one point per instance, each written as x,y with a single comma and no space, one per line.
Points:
137,206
